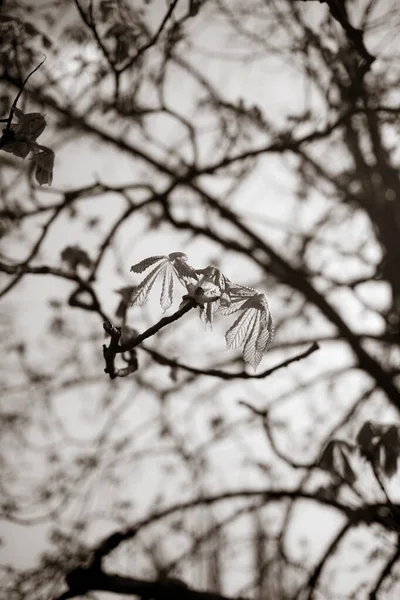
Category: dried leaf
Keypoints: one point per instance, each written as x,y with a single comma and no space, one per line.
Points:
74,256
44,160
390,441
326,461
366,440
30,126
20,149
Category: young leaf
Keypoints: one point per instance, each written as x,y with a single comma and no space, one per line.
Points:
207,313
184,271
238,295
254,327
167,291
145,264
210,305
251,354
173,265
241,328
141,294
266,334
208,291
213,276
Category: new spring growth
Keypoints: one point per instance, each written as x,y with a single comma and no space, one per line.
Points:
214,294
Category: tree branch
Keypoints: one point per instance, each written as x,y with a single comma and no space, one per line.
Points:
226,375
83,286
115,347
83,580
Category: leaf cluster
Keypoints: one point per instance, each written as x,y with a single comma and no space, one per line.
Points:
376,443
213,293
20,138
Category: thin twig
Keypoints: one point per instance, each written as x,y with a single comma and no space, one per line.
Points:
14,104
153,40
225,374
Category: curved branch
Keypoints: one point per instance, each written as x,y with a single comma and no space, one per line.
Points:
83,286
226,375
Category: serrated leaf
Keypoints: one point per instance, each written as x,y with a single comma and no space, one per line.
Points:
238,295
184,271
242,291
172,265
178,255
145,264
237,333
266,334
253,328
141,294
251,355
207,312
167,291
